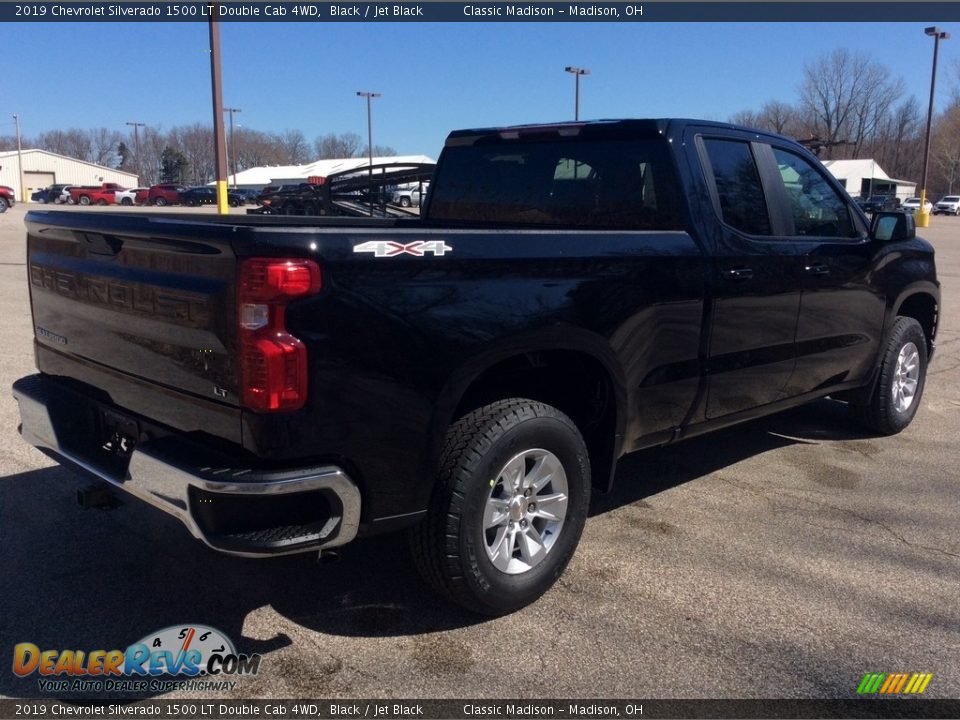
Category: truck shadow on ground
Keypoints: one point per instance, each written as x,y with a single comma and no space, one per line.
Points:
648,472
88,579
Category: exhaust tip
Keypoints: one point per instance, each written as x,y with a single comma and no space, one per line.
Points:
328,557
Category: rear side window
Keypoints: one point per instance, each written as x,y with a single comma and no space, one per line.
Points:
614,184
742,203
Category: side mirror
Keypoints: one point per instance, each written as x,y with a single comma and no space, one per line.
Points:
893,226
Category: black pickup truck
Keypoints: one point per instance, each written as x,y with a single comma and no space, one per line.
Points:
572,293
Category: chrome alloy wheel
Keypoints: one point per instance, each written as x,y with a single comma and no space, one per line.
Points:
906,377
524,514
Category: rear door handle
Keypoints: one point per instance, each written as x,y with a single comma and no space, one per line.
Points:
738,273
817,269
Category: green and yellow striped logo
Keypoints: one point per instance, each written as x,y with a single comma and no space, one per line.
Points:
894,683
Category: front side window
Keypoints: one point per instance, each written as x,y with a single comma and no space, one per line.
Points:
739,190
817,209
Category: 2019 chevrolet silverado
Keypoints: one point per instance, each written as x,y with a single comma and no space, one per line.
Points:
571,293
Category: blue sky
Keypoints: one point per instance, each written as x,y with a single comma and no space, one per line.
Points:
434,77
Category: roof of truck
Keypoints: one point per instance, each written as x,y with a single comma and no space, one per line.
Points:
626,127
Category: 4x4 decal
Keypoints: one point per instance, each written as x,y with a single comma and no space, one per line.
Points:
389,248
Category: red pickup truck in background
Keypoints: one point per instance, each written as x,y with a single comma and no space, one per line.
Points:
94,194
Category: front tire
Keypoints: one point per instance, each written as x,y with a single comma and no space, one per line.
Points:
508,509
903,372
4,204
160,202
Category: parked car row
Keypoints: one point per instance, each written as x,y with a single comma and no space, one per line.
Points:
949,204
160,195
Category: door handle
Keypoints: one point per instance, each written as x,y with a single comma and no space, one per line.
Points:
738,273
817,269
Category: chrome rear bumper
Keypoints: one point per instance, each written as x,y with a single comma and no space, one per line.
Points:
219,505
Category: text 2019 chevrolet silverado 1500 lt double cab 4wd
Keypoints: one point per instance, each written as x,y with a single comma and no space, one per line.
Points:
570,294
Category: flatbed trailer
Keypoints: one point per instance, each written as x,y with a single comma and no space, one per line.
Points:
359,192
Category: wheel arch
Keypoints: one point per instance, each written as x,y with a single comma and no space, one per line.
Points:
922,303
578,374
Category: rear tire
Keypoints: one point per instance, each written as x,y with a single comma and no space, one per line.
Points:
84,200
508,508
405,202
160,202
4,204
899,389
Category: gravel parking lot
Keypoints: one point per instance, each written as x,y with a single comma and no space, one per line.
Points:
782,558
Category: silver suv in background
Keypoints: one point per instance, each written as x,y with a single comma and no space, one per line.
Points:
948,204
407,197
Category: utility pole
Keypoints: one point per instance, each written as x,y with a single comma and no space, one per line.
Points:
233,145
577,72
136,145
23,199
922,216
369,96
216,84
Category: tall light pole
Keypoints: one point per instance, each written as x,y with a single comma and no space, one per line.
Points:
577,72
922,216
136,143
216,85
369,96
16,117
233,146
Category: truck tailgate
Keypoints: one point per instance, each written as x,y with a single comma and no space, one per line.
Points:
147,299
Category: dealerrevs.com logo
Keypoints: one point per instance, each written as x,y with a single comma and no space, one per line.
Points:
185,653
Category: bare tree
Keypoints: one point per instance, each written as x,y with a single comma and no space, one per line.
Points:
331,146
845,95
197,145
945,150
379,151
54,141
257,149
295,147
104,142
775,116
898,144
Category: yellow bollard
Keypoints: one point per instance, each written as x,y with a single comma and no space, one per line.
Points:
223,204
922,217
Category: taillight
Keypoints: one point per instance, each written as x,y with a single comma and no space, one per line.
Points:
273,363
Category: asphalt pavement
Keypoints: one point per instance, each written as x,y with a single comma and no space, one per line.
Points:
786,557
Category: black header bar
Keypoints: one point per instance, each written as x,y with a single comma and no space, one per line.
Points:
477,709
288,11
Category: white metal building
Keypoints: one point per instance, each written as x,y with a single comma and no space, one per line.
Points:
259,177
863,178
42,169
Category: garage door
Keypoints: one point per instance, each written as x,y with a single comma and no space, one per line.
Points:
36,180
